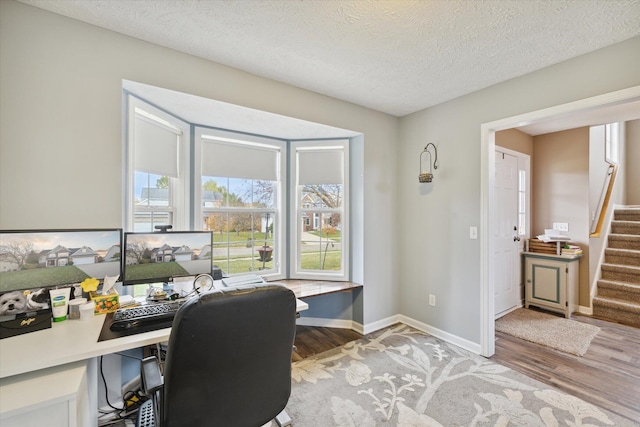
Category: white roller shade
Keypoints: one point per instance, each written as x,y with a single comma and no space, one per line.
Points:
155,148
239,161
320,167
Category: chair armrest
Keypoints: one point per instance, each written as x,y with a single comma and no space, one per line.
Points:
152,380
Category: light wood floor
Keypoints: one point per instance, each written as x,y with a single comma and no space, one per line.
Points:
608,375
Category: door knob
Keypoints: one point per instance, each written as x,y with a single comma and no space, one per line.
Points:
516,238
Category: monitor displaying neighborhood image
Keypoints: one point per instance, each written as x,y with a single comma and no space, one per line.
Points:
45,258
161,257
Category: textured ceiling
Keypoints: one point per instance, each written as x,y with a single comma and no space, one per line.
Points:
396,56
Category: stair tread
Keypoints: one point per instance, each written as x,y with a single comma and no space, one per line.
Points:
612,267
618,283
623,236
621,304
623,251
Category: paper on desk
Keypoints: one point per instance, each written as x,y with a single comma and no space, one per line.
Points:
108,283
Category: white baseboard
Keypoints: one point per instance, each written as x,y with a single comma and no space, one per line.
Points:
389,321
381,324
326,323
349,324
587,311
446,336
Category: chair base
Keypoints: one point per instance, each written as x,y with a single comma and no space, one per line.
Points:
283,419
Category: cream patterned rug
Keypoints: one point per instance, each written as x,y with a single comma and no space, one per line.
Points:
403,377
545,329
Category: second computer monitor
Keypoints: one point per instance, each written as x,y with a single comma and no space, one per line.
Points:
161,257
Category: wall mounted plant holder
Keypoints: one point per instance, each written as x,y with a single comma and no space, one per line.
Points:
428,176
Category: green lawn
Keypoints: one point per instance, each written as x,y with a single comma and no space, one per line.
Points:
154,269
241,237
40,277
336,237
310,261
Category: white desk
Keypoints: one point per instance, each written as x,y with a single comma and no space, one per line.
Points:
67,350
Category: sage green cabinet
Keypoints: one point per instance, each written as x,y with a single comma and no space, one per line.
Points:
551,282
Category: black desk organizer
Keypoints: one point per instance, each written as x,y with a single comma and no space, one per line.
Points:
17,324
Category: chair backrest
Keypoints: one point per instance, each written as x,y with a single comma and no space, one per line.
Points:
229,358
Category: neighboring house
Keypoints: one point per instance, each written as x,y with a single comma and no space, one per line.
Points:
113,254
61,256
183,253
205,252
166,253
162,254
56,257
310,222
13,266
83,256
154,197
211,199
160,197
313,221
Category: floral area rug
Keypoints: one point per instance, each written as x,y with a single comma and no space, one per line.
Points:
403,377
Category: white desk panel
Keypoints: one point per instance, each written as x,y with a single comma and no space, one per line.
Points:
71,341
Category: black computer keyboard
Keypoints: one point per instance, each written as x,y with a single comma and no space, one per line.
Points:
126,318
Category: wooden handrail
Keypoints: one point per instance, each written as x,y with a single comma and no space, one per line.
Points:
613,170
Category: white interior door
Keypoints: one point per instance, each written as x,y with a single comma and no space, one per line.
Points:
506,237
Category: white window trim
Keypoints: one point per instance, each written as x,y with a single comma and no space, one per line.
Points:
280,196
296,216
179,188
612,143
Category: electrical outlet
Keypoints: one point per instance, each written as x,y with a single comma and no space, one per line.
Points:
473,233
432,300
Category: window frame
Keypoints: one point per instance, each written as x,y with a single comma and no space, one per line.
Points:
178,203
297,208
279,236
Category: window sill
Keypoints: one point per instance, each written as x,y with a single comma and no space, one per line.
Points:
314,288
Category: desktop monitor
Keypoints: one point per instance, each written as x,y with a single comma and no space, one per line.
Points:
37,259
162,256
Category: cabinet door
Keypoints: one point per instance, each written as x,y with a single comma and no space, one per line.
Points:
546,282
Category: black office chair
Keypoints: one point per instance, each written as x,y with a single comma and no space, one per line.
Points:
228,361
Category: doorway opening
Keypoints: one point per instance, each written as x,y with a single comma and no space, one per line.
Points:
573,114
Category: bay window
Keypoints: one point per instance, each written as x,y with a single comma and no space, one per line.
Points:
277,208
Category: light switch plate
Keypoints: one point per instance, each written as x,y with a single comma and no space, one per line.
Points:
561,226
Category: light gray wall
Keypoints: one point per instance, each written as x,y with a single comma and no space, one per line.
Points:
61,130
436,254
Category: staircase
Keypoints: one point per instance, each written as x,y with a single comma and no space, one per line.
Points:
618,296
